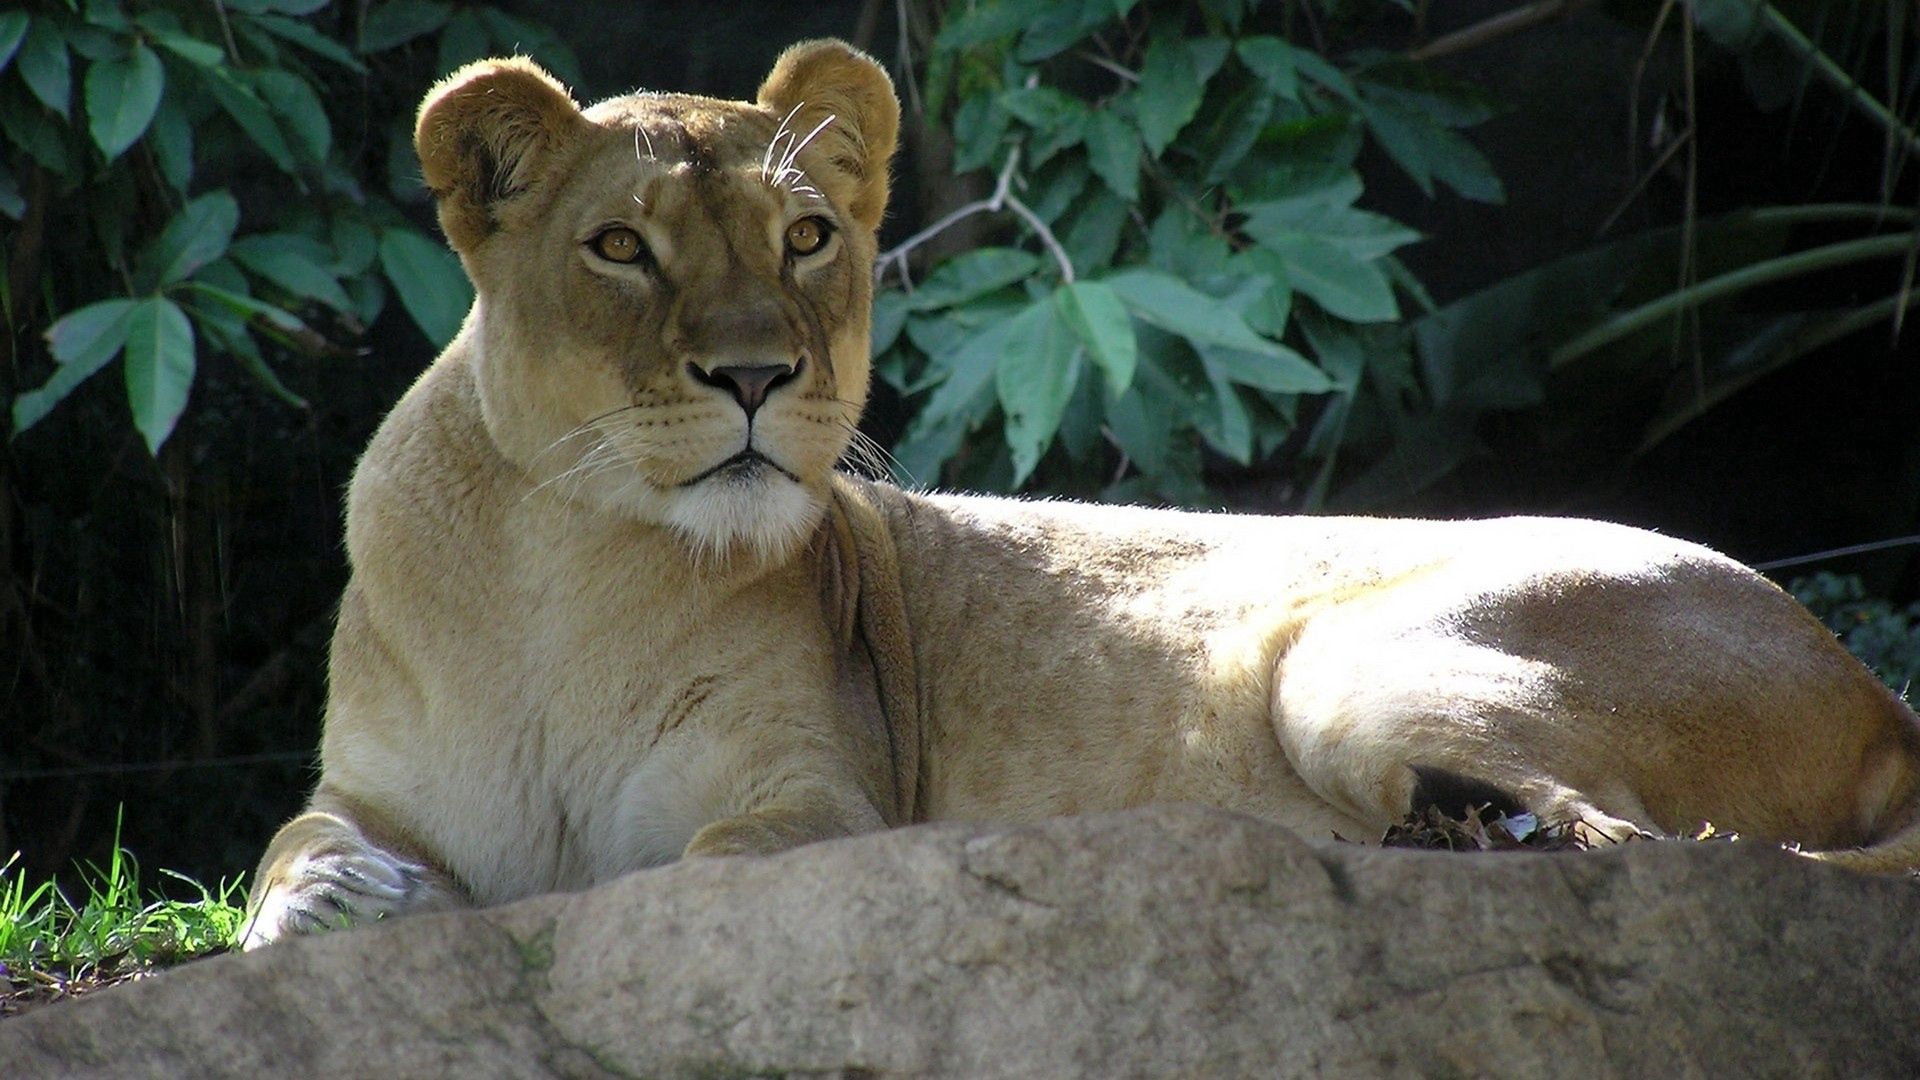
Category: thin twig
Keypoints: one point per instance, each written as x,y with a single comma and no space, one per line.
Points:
1001,199
1045,234
1501,25
1124,74
905,48
226,30
1835,553
1646,178
1639,79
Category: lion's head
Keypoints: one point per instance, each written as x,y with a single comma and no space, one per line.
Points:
672,291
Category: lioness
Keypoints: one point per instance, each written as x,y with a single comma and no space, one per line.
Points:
612,605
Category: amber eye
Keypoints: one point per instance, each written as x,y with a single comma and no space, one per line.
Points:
808,235
619,244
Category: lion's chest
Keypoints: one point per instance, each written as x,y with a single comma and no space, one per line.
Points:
576,727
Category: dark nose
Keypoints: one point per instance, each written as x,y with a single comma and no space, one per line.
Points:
748,385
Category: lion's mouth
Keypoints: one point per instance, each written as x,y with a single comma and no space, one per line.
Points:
741,466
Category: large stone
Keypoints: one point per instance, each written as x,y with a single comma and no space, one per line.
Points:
1165,942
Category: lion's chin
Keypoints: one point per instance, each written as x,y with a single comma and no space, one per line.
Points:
751,511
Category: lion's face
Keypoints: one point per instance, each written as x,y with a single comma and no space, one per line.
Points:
673,291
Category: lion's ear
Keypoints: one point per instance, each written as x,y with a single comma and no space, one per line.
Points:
831,78
484,134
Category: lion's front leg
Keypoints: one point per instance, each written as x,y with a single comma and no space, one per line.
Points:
323,872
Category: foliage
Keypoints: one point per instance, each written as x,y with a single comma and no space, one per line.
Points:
1606,345
1196,274
184,161
1204,275
1885,637
51,946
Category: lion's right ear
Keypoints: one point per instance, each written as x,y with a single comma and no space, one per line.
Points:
483,135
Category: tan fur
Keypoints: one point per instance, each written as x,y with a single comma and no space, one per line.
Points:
571,649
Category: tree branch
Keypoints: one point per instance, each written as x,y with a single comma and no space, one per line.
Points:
1002,198
1508,22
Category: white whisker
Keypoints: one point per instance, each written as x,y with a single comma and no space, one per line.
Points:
766,159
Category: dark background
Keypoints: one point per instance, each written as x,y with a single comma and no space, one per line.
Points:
169,655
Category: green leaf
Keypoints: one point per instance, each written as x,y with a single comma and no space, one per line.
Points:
35,130
244,105
1174,306
1318,71
294,99
243,305
889,317
1227,428
1041,107
197,235
46,66
1361,234
159,367
1208,53
463,39
1060,25
400,21
13,29
194,51
973,275
1186,245
1033,380
1058,120
1287,373
92,335
122,96
521,37
1427,151
1144,432
981,23
1093,311
1271,61
432,286
306,37
1420,88
172,142
1268,311
1169,92
278,258
1232,131
82,342
354,244
1093,234
1113,149
1347,286
961,355
240,344
978,127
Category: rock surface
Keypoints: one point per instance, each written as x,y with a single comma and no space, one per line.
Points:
1165,942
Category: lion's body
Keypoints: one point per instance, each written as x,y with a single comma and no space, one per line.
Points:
610,605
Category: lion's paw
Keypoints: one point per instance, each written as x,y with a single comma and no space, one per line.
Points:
333,890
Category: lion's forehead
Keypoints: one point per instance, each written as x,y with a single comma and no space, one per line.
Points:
703,134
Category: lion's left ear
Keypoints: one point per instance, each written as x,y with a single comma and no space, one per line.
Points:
831,78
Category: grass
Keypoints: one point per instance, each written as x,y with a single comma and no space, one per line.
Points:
52,947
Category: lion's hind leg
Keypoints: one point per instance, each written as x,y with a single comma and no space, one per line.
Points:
1382,727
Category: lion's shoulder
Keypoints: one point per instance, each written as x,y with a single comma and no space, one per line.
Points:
431,473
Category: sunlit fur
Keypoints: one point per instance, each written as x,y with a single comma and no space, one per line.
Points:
572,647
